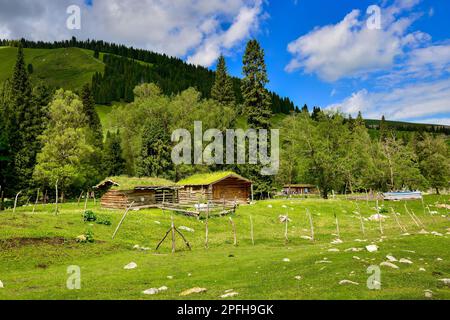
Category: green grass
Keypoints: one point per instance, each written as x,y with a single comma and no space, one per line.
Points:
129,183
68,68
206,178
39,270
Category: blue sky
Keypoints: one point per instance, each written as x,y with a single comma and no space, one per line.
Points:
319,52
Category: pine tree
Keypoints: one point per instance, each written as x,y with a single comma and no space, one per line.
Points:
24,124
113,161
305,109
360,120
256,97
222,90
315,114
383,129
30,68
155,158
92,118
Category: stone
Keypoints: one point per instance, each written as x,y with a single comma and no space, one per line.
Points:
306,237
423,231
269,206
406,261
337,241
389,264
163,288
170,277
157,222
377,217
345,282
323,261
136,247
445,282
130,266
391,258
372,248
354,249
1,285
434,233
151,291
186,229
439,259
195,290
428,294
229,295
298,278
356,258
422,269
333,250
286,260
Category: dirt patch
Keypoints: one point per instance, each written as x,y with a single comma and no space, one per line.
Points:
22,242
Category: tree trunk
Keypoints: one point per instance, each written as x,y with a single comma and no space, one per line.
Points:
437,191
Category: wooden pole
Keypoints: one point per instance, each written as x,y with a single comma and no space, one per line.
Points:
251,230
286,228
79,198
86,200
56,201
338,232
234,231
206,227
37,199
252,192
412,218
121,220
173,234
311,224
93,196
45,198
381,223
15,201
361,220
402,228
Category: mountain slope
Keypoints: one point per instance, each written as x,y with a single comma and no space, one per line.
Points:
69,68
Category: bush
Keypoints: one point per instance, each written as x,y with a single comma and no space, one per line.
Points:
104,220
88,237
89,216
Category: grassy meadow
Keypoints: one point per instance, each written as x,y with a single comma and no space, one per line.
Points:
36,249
68,68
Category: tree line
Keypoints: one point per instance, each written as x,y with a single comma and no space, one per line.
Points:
127,67
52,137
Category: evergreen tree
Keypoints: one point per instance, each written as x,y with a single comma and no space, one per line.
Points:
113,161
222,90
30,68
316,113
305,109
92,118
383,129
256,97
155,159
96,54
25,122
360,120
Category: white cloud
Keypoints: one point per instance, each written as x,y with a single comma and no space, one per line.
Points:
241,28
421,102
350,49
181,28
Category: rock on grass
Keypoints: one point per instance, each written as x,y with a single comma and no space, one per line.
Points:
195,290
151,291
130,266
389,264
345,282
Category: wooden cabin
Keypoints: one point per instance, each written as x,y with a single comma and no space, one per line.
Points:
217,186
300,189
121,192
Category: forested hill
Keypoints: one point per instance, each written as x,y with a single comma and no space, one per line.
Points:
126,67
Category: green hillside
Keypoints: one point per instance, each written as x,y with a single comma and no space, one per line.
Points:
68,68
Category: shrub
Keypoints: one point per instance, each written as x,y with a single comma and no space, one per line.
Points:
89,216
104,220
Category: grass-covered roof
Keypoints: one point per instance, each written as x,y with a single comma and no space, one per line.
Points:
129,183
208,178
